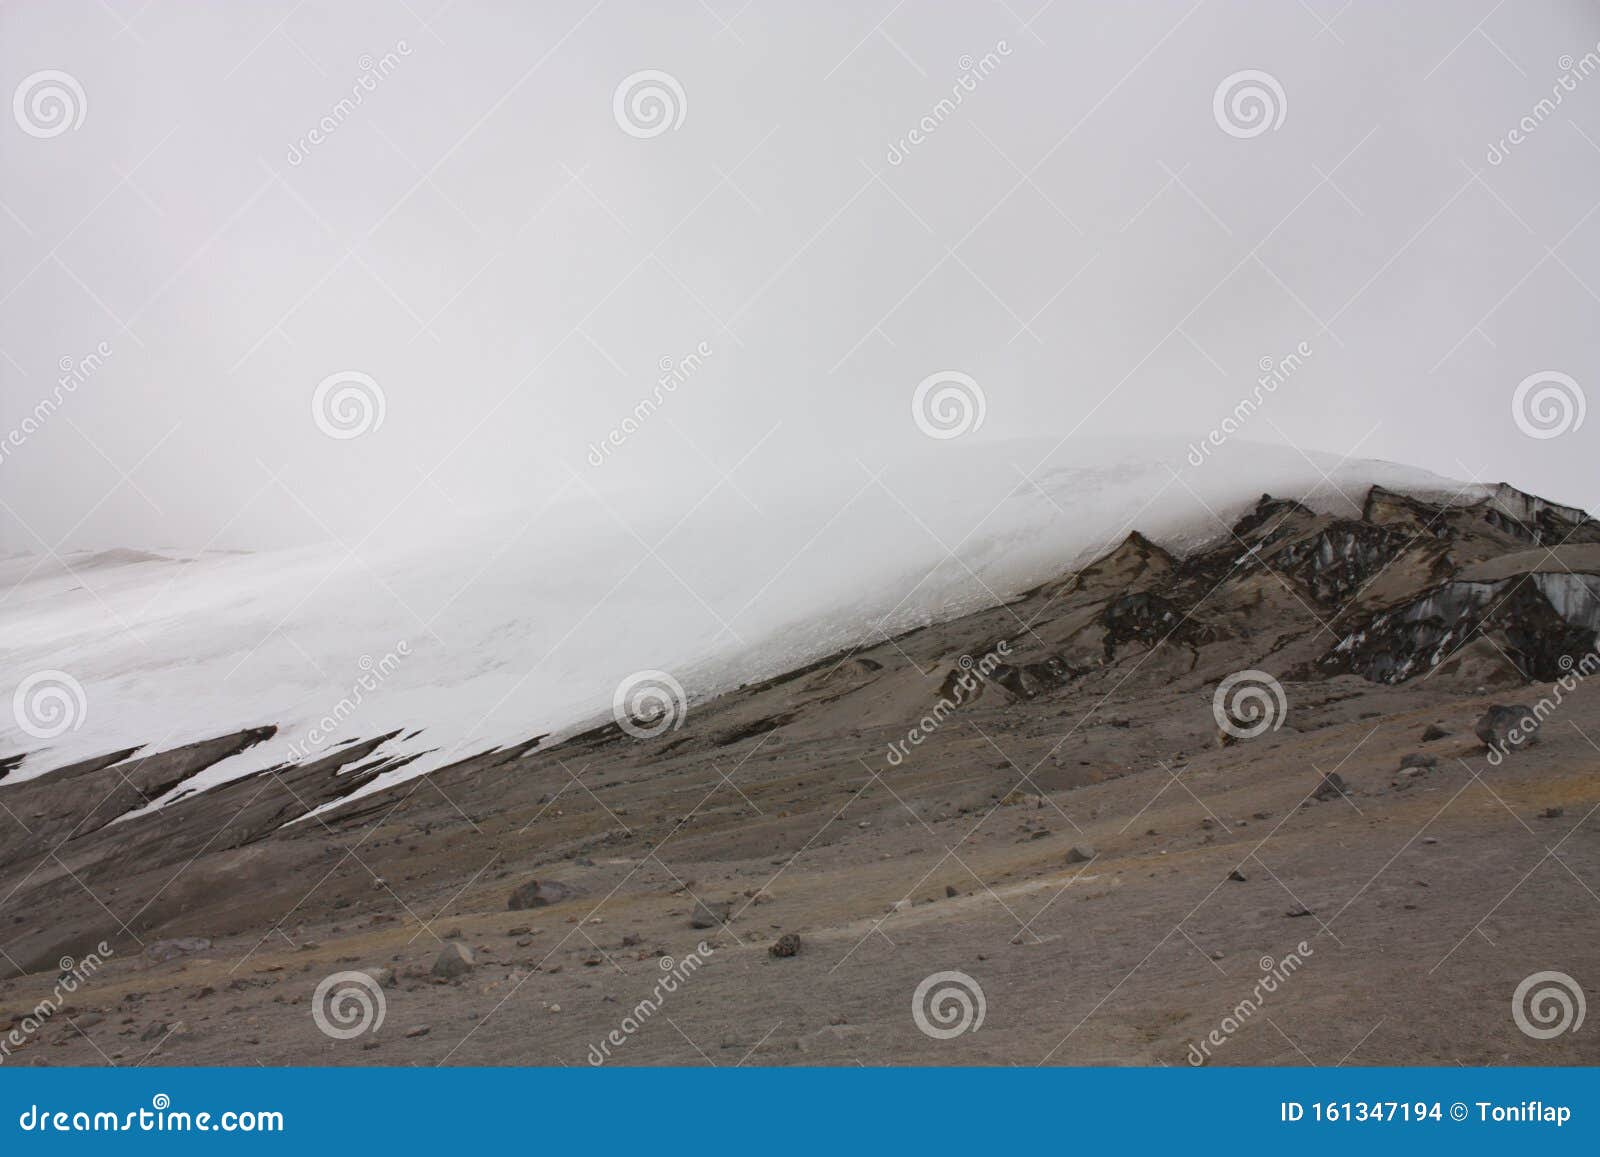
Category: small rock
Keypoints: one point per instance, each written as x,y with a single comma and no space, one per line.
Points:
163,950
1237,876
1419,760
539,894
454,959
1079,855
382,977
1332,786
786,945
1551,813
711,915
950,892
1298,910
1432,732
420,1030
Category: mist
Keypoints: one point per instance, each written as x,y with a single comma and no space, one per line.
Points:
357,271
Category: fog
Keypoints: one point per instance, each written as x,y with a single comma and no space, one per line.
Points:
451,209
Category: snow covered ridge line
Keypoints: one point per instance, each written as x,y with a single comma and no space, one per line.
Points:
508,663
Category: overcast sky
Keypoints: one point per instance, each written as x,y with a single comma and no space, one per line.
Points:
457,209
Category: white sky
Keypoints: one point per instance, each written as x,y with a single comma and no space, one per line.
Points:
483,239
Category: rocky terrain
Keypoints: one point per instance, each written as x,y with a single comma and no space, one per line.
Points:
1113,805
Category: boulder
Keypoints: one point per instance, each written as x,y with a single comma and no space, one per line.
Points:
539,894
1507,727
454,959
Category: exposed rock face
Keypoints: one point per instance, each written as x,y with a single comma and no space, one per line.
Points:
1500,590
